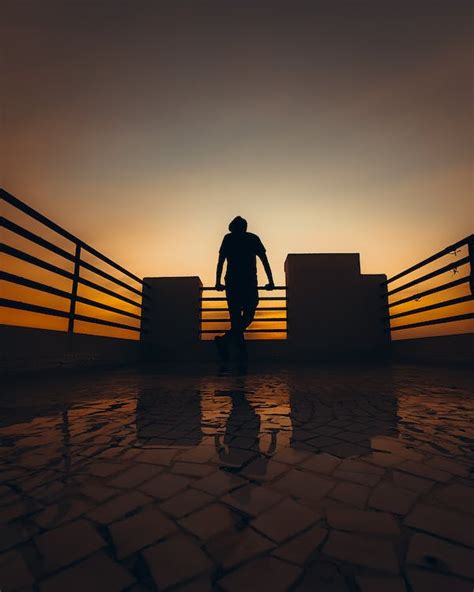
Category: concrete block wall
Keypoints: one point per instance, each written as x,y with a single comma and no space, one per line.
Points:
333,309
175,318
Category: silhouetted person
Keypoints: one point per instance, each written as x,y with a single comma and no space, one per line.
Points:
240,249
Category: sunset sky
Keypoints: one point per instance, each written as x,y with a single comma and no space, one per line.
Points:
337,126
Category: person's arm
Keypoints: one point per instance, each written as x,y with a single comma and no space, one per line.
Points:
220,267
268,271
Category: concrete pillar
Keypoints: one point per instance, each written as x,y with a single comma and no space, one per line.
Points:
333,309
175,317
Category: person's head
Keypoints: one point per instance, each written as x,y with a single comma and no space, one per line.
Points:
238,224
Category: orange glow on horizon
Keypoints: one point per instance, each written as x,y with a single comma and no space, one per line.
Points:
29,319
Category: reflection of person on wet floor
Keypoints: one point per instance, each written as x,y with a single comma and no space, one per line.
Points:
240,249
243,417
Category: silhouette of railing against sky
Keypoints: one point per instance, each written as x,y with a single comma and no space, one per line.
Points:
459,290
215,319
131,298
88,291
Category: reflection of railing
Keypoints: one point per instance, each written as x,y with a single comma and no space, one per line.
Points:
77,280
453,266
222,312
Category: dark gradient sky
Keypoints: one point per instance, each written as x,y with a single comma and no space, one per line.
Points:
143,127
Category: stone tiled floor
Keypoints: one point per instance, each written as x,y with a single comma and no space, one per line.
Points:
329,479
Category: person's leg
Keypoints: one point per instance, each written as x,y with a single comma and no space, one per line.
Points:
234,304
223,341
249,306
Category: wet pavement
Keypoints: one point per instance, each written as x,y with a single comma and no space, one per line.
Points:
331,479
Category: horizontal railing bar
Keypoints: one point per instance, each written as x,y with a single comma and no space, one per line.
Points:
96,286
428,276
284,320
22,281
223,299
108,276
19,280
55,249
61,313
213,289
97,304
430,307
118,267
34,238
225,309
452,319
96,321
248,331
441,288
20,205
62,272
9,303
13,252
441,253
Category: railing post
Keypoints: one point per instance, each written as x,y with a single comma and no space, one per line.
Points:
385,317
470,246
144,330
75,282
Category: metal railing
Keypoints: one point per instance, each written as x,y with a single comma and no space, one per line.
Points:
77,279
224,321
466,263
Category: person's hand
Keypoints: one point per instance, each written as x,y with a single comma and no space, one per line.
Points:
270,286
220,287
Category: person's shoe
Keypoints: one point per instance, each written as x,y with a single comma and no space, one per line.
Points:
222,349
